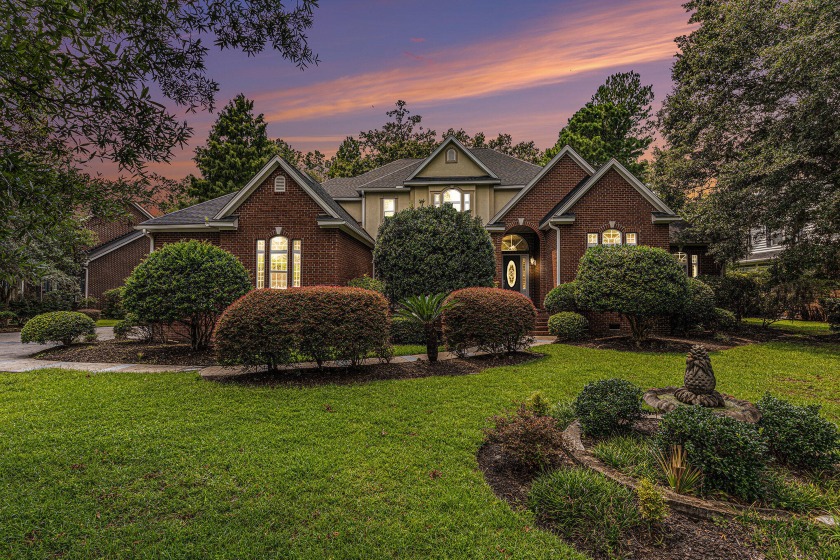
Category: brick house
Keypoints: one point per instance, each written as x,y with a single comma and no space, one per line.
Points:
289,230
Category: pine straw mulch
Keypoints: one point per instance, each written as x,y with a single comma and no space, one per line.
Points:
679,538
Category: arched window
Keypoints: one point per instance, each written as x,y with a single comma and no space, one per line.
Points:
611,237
459,200
451,156
514,243
279,263
682,259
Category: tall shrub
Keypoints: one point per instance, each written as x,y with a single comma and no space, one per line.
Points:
112,304
491,319
698,309
561,299
832,312
430,250
189,284
641,283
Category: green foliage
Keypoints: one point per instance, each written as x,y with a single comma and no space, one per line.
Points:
651,502
408,332
732,455
724,320
188,283
785,492
490,319
88,302
561,298
7,318
628,454
766,67
368,283
426,312
112,304
57,326
639,282
538,404
568,325
528,442
614,124
123,328
739,291
430,250
92,313
608,406
681,477
797,435
584,505
832,313
564,412
698,309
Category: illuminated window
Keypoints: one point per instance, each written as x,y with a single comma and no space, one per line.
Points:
591,239
451,156
682,259
261,263
389,207
695,266
279,263
611,237
453,197
296,258
630,239
514,243
466,202
436,199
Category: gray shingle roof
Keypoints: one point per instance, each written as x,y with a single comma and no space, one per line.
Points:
195,214
510,170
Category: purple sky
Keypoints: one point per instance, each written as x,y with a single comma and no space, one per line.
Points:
521,67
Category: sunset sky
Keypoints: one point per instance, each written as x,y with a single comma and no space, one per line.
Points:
521,67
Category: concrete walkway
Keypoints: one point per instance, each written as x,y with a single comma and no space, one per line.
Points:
15,357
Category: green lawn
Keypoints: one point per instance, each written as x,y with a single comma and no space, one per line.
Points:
107,322
794,326
117,465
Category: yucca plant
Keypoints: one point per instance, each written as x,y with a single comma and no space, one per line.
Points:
426,311
681,477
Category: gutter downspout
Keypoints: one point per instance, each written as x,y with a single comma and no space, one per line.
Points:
151,240
557,258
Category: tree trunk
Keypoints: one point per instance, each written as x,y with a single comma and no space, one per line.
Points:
431,343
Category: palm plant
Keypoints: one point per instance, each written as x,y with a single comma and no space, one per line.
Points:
681,477
426,311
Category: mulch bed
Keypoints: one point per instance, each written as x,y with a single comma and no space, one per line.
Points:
680,537
377,372
130,352
660,344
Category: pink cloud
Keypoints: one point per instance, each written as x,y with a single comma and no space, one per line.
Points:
417,40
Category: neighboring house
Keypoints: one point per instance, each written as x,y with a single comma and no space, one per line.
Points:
289,230
765,245
119,249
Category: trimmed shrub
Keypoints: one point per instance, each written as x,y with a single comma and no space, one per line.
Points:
739,292
491,319
7,318
797,435
188,283
651,500
698,309
92,313
429,250
62,299
259,329
608,406
123,329
368,283
528,441
561,298
568,325
641,283
724,320
342,324
112,304
732,455
586,506
89,302
57,326
404,331
832,312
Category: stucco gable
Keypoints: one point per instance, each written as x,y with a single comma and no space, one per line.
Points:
436,166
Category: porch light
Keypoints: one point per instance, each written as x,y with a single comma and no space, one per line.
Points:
533,261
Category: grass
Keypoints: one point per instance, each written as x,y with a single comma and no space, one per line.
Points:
811,328
107,322
116,465
629,454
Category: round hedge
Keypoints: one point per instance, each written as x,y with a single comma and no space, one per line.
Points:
724,320
561,298
428,250
190,283
698,307
491,319
57,326
568,325
608,406
636,281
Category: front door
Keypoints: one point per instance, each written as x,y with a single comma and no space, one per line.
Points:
515,273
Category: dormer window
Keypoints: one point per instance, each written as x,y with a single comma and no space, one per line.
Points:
280,184
451,155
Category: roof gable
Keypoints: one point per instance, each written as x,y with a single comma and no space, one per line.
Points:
467,166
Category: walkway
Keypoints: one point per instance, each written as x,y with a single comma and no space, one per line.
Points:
15,357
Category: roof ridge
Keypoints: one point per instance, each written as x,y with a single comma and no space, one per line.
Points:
494,150
413,161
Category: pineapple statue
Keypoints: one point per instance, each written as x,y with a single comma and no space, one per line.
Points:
699,383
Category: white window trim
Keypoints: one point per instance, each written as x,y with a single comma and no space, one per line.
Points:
454,153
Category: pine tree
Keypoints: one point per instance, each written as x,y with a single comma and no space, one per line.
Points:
236,149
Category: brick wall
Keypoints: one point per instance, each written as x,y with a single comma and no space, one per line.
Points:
106,230
110,271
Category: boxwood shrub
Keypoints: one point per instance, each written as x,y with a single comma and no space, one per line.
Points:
7,318
561,298
112,304
491,319
407,332
797,435
568,325
724,320
57,326
608,406
732,455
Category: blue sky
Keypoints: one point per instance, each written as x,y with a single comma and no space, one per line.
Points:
519,67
